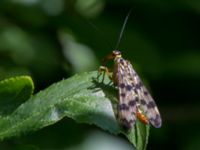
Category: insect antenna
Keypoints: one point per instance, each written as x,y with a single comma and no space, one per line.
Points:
103,36
122,29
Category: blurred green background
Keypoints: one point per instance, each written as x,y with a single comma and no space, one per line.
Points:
54,39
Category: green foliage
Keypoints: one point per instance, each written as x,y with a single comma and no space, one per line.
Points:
13,92
84,98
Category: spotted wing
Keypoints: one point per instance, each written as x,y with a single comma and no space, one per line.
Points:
146,102
127,96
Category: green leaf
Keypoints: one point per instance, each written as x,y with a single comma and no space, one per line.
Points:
139,135
13,92
82,98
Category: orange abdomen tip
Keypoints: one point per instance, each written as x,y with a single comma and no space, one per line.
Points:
142,118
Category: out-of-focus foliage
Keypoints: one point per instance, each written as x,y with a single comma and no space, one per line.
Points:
13,92
53,39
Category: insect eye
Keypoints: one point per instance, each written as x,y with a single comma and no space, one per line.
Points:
113,53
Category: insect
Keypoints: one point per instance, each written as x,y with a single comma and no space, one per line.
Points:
135,102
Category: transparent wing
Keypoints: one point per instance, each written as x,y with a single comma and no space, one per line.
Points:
150,108
146,102
127,96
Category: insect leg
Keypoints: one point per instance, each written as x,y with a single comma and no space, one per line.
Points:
106,71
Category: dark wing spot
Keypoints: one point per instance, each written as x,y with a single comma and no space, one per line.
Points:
135,90
131,79
143,102
121,61
132,103
138,86
131,121
128,87
123,95
151,104
156,121
122,85
146,93
127,124
137,99
123,107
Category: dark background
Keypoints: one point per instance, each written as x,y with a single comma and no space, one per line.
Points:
54,39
